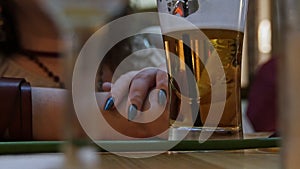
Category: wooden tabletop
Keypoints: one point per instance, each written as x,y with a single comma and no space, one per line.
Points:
241,159
246,159
256,153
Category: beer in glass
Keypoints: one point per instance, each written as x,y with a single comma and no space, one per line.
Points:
200,58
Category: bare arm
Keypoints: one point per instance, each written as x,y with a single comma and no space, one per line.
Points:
49,123
48,107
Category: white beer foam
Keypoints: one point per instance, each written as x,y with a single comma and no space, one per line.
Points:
222,14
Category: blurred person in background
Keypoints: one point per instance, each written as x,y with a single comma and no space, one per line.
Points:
262,99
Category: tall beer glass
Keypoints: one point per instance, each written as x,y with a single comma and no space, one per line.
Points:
213,59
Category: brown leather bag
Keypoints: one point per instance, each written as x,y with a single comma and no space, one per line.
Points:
15,109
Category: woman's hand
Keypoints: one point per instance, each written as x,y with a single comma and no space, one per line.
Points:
136,104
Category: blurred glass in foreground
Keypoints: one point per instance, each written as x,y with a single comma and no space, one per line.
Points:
289,81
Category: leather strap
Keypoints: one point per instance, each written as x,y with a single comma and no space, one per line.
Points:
15,109
26,124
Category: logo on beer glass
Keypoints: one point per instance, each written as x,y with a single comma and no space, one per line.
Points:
85,70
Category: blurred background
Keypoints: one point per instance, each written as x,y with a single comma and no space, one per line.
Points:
70,23
41,27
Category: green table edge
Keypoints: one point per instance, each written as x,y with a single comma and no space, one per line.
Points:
29,147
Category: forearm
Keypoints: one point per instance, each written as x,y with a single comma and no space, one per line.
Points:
47,113
50,120
48,108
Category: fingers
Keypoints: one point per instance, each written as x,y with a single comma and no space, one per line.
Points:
118,90
144,82
140,86
134,89
162,85
137,86
106,86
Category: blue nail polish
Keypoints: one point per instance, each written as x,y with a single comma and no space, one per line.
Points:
109,103
162,97
132,112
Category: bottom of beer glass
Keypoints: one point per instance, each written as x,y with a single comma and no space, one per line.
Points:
193,133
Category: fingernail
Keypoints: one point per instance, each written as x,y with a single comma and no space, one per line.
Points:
132,111
162,97
109,103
